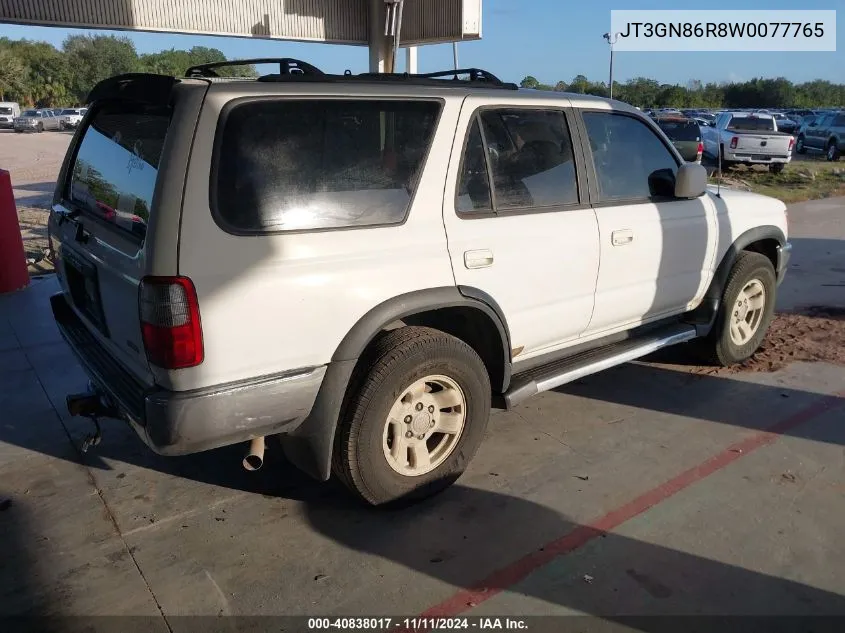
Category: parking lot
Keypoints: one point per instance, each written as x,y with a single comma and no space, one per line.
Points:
658,488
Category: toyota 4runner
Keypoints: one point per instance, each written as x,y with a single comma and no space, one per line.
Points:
362,265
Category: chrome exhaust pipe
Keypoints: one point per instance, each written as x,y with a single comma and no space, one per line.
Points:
255,456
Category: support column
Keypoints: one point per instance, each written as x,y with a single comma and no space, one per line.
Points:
378,45
411,60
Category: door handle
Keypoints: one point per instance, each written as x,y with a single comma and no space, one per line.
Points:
478,259
623,237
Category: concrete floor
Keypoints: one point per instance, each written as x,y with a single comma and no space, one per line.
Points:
647,490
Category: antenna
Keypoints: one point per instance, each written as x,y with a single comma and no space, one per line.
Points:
720,150
719,179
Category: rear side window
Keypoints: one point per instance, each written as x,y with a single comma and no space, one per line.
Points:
529,155
839,121
116,165
631,161
681,130
287,165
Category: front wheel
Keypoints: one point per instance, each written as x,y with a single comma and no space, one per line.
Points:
832,151
415,415
746,310
777,168
40,128
799,146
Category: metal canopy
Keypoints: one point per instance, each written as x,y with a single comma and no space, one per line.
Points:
330,21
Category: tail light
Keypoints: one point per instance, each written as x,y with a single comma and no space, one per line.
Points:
699,152
734,141
791,142
170,322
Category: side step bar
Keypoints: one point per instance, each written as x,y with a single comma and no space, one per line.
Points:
572,368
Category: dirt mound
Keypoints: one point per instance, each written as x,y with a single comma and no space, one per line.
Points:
817,333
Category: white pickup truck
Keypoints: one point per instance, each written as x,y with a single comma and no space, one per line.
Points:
748,138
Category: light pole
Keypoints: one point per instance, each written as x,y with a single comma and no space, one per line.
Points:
611,41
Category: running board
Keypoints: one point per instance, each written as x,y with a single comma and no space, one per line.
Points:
592,361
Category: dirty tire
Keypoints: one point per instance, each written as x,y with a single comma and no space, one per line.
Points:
719,348
832,152
799,145
392,363
777,168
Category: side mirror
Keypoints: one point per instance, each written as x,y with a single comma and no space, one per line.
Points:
690,181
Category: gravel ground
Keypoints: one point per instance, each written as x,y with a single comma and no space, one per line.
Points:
33,160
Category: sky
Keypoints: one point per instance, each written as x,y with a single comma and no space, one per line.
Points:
550,39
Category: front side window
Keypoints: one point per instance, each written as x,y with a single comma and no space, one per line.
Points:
320,164
116,166
839,121
530,157
630,160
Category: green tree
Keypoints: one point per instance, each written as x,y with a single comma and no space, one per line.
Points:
175,62
529,82
12,77
97,57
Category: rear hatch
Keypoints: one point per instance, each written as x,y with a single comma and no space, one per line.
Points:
685,135
99,223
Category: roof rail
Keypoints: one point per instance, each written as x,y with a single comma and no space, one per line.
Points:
474,75
476,78
287,66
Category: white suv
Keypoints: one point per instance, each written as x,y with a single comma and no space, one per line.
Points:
361,264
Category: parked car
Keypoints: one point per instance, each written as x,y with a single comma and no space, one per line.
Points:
36,121
824,133
8,111
685,135
358,265
785,124
71,117
748,138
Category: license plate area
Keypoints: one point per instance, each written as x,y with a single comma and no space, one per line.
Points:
83,283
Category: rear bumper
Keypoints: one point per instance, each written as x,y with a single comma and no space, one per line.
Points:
784,253
183,422
739,157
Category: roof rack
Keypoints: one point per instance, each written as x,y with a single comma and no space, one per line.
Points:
474,76
296,70
287,66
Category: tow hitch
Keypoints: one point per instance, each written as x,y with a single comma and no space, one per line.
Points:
90,405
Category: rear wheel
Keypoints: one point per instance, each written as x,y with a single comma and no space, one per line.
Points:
726,164
832,151
40,128
746,310
415,415
777,168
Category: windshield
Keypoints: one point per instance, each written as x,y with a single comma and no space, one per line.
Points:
5,110
70,111
680,130
747,123
30,113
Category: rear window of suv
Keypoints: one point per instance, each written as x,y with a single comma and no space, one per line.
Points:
115,168
285,165
680,130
